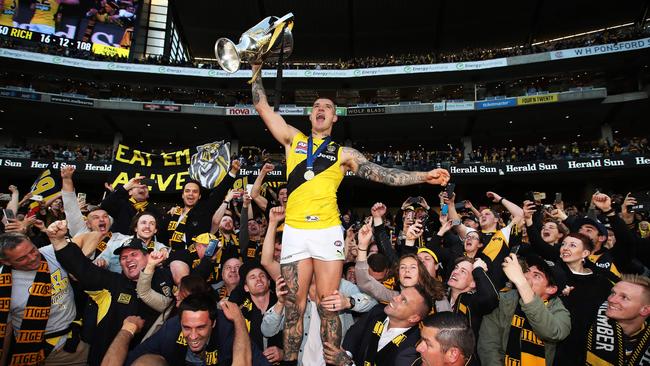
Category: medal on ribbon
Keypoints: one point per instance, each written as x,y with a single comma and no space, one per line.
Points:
309,173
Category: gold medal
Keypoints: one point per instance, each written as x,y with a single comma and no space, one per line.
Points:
309,175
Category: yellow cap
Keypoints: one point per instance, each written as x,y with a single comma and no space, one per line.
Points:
204,238
430,252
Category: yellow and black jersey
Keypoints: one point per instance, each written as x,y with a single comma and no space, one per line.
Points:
8,11
44,12
312,203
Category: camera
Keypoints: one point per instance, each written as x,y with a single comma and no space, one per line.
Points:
642,202
357,226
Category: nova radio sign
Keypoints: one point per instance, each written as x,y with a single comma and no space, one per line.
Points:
240,111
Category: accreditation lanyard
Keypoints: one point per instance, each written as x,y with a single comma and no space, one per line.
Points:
309,173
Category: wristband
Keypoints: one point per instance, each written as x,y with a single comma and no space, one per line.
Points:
130,327
362,250
501,200
226,202
606,213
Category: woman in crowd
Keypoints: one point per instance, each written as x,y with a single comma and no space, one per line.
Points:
586,287
409,270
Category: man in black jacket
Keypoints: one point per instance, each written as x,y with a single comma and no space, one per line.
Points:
113,294
387,335
195,217
202,335
126,201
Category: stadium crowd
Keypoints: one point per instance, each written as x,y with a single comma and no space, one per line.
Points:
120,282
101,89
58,152
253,157
613,35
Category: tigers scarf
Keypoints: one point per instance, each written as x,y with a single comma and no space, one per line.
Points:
391,284
524,347
605,346
176,229
139,206
30,347
103,244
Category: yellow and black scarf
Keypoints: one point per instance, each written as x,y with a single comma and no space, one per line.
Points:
209,357
194,256
222,293
524,347
176,229
460,307
390,283
139,206
30,347
605,344
229,249
103,244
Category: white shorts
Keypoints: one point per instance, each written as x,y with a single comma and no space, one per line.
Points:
323,244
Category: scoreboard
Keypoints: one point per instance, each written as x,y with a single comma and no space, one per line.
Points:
46,39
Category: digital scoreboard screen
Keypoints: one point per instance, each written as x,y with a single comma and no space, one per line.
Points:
99,26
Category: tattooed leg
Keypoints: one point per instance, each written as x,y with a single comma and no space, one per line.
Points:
330,326
328,278
297,276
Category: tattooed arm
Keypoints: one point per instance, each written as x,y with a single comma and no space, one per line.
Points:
357,163
274,121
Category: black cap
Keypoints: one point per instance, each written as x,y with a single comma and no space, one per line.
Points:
555,275
133,243
586,220
470,217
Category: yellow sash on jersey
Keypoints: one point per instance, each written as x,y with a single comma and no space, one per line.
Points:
612,267
494,246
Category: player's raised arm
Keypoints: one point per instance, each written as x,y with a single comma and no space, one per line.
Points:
357,163
274,121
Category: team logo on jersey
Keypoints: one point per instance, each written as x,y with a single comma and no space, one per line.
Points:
301,148
331,148
124,298
167,291
328,157
312,218
338,243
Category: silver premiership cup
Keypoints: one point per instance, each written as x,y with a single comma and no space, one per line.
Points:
260,43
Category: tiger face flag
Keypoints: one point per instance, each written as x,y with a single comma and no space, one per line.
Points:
211,163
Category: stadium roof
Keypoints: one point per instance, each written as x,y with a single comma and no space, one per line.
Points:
333,29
